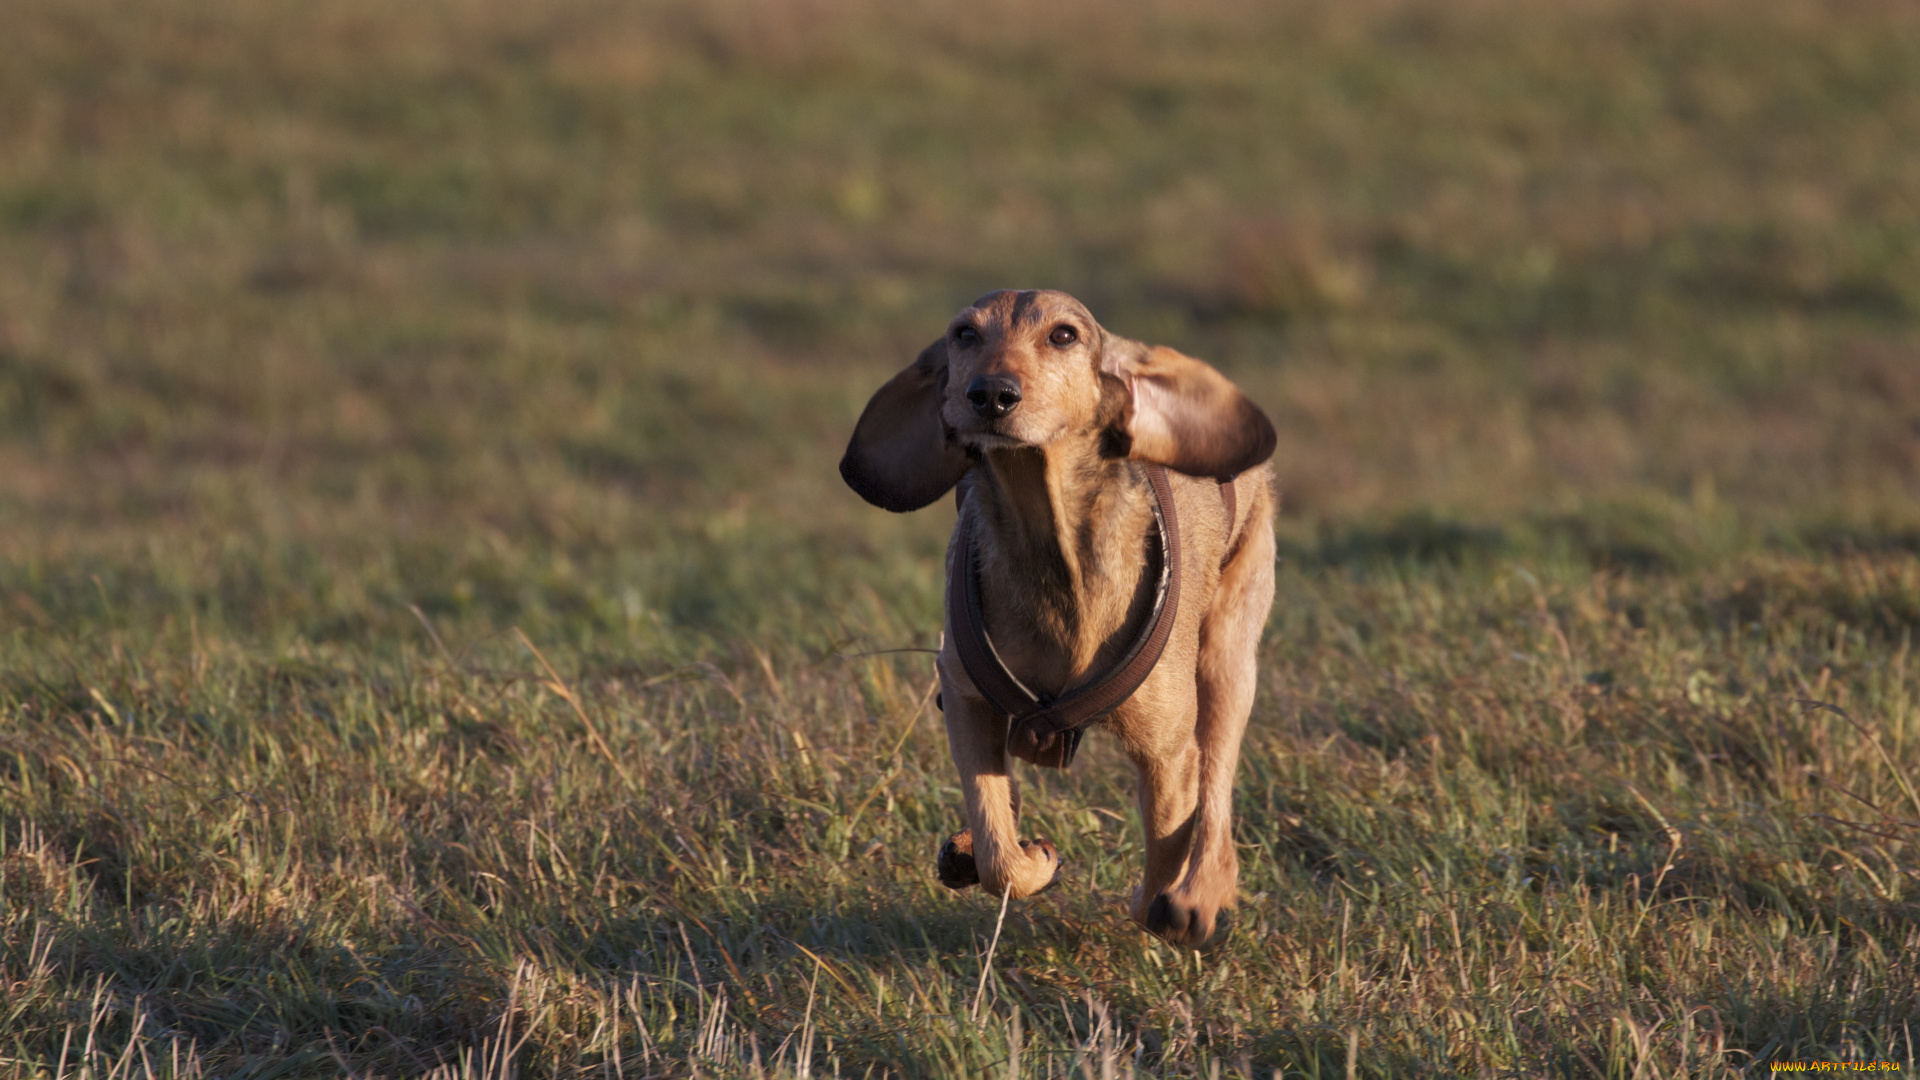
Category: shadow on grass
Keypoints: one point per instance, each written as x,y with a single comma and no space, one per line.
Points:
1853,540
261,998
1607,541
1419,538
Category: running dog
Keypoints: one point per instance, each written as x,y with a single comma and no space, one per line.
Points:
1112,563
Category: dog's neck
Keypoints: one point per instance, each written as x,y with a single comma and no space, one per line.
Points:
1061,541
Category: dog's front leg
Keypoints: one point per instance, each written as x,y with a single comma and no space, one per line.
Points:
1195,910
1168,772
1000,860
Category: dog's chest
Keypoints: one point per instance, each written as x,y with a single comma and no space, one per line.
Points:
1053,637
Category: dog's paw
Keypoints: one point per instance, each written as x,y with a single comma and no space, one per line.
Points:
1037,870
1191,925
1045,850
955,865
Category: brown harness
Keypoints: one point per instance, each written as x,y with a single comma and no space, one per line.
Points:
1045,729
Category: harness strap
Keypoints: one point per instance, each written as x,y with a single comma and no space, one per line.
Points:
1046,730
1043,729
1233,519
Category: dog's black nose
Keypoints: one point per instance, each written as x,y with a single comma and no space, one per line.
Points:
993,396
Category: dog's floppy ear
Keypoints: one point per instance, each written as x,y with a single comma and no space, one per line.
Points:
1166,407
900,457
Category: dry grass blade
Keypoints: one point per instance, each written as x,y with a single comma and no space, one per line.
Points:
559,686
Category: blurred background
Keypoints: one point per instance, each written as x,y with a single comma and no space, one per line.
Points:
558,315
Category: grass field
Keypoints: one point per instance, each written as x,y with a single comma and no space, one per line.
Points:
433,635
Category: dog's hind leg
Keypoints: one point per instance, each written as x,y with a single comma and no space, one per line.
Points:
1192,911
1001,861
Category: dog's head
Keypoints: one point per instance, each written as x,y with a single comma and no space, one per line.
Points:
1033,368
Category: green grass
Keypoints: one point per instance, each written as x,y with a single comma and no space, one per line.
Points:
341,341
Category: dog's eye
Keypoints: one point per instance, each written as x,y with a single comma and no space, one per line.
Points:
966,335
1064,335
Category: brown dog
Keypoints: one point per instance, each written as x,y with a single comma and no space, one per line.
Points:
1053,429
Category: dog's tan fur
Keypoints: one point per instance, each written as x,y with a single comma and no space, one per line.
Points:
1060,517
